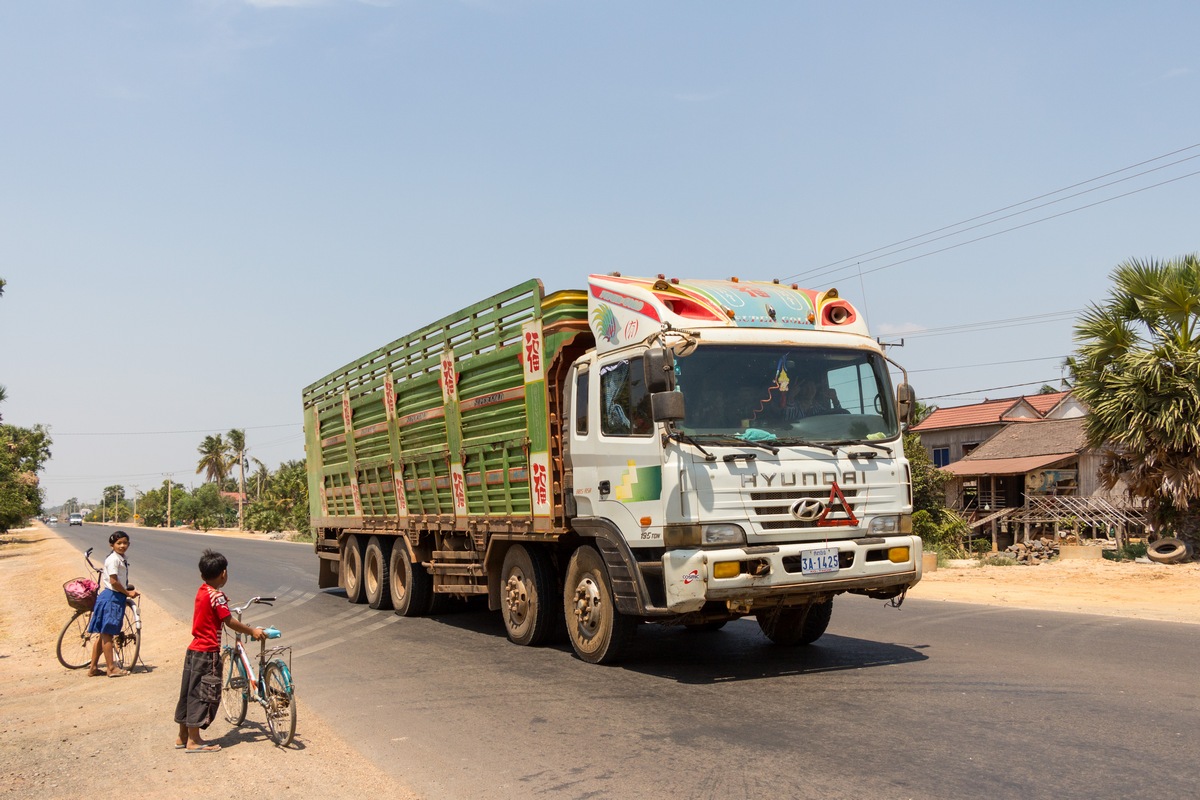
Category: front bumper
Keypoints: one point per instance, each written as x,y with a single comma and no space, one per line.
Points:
769,573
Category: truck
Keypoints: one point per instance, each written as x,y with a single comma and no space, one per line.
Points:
675,451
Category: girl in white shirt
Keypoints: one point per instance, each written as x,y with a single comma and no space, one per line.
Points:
109,611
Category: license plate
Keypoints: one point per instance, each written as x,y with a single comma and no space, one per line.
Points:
818,562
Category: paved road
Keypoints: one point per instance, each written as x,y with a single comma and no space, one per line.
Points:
934,700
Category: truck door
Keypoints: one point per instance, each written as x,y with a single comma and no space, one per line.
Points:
615,454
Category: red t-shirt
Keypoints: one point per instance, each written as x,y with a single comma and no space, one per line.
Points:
211,611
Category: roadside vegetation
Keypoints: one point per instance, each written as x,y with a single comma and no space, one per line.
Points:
942,530
270,500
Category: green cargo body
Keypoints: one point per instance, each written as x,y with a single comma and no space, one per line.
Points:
448,428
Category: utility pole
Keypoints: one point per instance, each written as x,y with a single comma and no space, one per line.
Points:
169,482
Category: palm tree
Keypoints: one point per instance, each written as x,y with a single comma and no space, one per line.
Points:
214,458
1138,370
237,453
261,476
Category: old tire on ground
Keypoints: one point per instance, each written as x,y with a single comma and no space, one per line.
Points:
599,633
1168,551
791,627
376,572
352,569
526,595
410,586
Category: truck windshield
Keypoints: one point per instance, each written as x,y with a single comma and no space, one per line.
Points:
795,394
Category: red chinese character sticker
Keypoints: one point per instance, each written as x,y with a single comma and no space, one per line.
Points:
533,352
540,485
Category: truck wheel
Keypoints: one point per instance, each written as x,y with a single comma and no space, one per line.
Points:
526,589
598,632
790,627
352,569
410,587
376,571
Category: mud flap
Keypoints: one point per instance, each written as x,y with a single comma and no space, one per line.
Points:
685,575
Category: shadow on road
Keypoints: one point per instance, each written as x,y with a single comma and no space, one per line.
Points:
738,652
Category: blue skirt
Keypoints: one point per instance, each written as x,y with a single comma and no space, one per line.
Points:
109,613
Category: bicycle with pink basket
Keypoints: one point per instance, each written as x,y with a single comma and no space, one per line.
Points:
75,643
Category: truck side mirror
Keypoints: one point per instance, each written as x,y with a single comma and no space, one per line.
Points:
906,403
666,406
659,364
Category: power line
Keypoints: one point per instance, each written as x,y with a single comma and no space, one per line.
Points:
989,364
166,433
992,389
1018,227
857,258
1032,319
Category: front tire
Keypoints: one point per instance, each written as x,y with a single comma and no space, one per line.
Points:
410,586
599,633
794,627
526,586
281,704
376,573
75,643
352,569
128,643
235,689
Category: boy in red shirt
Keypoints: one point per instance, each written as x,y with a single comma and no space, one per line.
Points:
199,699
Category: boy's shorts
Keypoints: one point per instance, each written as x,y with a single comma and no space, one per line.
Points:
199,699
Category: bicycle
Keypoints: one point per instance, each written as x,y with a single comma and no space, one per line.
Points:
271,687
75,642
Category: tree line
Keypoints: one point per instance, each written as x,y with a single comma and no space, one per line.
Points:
238,491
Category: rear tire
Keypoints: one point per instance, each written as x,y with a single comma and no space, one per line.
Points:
235,689
410,587
599,633
376,573
793,627
352,569
75,643
281,704
526,589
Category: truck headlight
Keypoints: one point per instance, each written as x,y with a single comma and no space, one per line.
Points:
724,533
891,524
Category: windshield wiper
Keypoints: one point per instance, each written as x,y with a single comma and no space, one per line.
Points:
865,443
733,440
680,436
830,446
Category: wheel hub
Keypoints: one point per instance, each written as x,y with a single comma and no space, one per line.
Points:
587,606
516,599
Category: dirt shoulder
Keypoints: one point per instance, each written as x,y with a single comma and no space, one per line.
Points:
63,733
1112,588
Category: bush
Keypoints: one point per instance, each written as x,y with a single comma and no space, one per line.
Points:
1128,552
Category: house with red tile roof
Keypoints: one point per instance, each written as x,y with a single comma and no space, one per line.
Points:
1023,467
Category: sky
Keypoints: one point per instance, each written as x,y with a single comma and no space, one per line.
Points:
206,205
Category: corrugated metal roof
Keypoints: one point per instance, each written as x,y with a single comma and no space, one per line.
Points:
1034,438
1003,466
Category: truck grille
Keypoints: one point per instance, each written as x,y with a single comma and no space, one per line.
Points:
771,511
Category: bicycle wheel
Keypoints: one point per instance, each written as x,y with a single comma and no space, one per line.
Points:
281,702
128,643
234,689
75,643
